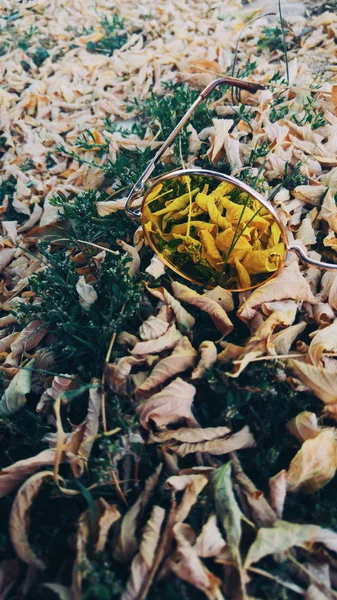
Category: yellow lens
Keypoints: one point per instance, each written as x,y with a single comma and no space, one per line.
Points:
212,232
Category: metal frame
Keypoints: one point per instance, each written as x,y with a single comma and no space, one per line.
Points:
138,189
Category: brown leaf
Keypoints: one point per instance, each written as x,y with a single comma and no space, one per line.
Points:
184,319
19,520
325,340
217,314
192,486
208,358
283,536
229,352
29,337
334,95
289,283
189,435
153,328
126,544
144,560
170,405
278,491
187,565
108,515
81,564
11,477
314,464
209,542
304,426
181,359
230,443
164,342
90,430
319,380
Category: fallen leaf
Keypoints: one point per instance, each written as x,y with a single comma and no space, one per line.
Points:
209,542
187,565
143,561
314,465
108,515
192,485
304,426
168,406
87,293
184,319
281,342
90,430
126,543
156,267
189,435
318,379
325,340
289,283
181,359
223,297
19,520
217,314
14,397
208,357
134,262
60,384
29,337
164,342
152,328
12,476
229,443
81,564
283,536
278,492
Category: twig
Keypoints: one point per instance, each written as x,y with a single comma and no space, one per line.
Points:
291,586
331,594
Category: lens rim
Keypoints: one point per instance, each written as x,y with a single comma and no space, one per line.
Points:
220,177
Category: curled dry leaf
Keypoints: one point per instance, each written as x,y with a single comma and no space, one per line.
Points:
90,430
11,477
14,397
5,342
29,337
283,536
192,485
223,297
134,263
323,314
153,328
107,516
208,357
143,561
209,542
304,426
168,406
215,311
60,384
319,380
166,341
221,445
190,435
156,267
314,464
126,543
325,340
289,283
19,519
229,352
281,342
181,359
186,564
184,319
87,293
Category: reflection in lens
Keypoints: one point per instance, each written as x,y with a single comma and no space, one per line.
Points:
212,232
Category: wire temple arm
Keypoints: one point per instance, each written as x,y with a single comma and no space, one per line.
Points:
138,188
311,262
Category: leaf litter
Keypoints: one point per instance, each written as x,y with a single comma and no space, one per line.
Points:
192,470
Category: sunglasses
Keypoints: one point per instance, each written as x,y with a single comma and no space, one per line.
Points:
211,228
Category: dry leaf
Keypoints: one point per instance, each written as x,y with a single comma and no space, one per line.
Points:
314,464
281,342
143,561
278,492
153,328
60,384
304,426
164,342
87,293
134,263
168,406
90,430
223,297
319,380
209,542
125,545
19,520
190,435
187,565
217,314
283,536
192,485
14,397
208,358
184,319
289,283
108,515
156,267
29,337
324,340
181,359
229,443
12,476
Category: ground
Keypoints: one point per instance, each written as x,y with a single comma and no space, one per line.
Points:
159,438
